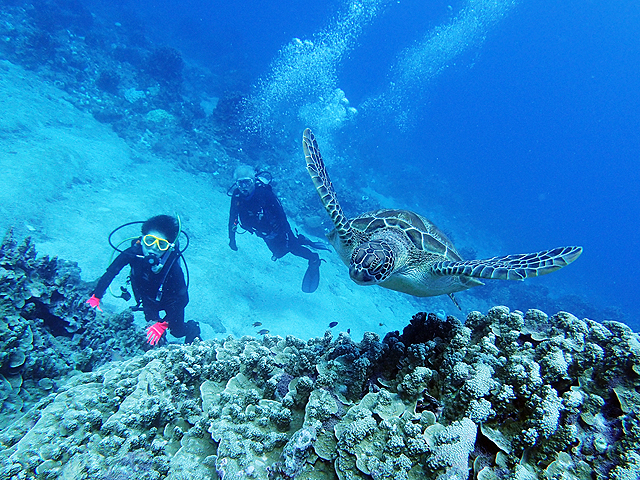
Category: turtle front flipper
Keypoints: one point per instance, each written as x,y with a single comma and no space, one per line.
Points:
322,182
511,267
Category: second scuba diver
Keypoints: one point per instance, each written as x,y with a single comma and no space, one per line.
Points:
256,209
157,279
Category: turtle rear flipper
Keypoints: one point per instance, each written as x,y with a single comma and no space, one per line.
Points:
511,267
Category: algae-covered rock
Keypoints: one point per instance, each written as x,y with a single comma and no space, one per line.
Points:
48,331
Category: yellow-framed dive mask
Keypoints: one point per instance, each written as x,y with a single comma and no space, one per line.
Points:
151,240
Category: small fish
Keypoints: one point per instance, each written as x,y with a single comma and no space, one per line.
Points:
349,331
264,331
333,324
257,324
381,324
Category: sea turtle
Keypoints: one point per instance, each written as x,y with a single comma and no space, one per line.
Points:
403,251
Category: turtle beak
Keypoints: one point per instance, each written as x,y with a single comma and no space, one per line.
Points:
361,276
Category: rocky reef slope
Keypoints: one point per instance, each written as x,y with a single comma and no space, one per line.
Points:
47,331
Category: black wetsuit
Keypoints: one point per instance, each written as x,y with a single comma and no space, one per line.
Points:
146,287
261,213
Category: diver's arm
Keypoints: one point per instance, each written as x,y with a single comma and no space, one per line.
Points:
118,264
233,223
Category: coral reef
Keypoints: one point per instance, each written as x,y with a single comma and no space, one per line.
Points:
504,395
108,81
48,332
165,64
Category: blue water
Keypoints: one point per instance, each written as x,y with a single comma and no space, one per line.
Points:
527,132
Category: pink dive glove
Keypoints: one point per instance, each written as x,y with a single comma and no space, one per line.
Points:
94,302
155,332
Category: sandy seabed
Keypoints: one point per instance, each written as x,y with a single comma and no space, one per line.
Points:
68,180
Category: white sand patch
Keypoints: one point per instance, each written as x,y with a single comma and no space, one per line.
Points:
68,180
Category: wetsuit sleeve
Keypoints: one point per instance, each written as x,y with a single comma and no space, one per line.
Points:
118,264
233,218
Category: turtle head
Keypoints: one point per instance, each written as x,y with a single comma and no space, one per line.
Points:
371,263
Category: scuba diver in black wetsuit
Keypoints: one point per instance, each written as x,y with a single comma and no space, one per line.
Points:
256,209
156,278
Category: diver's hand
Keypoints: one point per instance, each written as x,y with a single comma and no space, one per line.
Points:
94,302
155,332
232,244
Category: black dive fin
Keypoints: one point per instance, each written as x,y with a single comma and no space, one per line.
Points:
311,277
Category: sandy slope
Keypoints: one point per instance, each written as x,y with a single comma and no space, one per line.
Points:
68,180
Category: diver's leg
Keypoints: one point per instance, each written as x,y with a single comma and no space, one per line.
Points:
312,275
297,249
192,331
177,326
279,245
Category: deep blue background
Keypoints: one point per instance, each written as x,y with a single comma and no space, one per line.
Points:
536,132
546,128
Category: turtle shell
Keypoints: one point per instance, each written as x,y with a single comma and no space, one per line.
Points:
422,234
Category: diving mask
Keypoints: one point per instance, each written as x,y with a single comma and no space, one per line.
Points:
151,240
245,185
